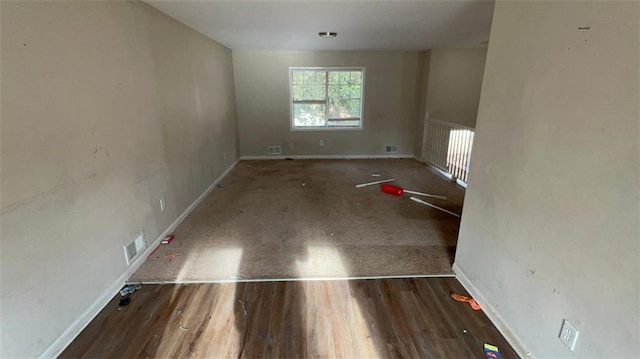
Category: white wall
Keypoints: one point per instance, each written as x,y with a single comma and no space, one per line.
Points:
262,92
455,79
107,107
550,228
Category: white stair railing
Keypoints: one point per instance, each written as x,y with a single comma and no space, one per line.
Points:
447,146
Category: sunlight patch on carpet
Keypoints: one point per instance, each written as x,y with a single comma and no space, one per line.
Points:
223,263
322,261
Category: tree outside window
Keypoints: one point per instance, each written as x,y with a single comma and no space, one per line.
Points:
326,98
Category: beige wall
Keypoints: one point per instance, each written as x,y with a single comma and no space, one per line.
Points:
422,84
262,92
550,228
455,79
107,107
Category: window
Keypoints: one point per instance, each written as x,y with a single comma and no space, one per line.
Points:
326,98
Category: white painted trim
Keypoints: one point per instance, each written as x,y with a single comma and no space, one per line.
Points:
240,280
434,168
320,129
441,172
451,124
493,314
325,157
363,71
63,341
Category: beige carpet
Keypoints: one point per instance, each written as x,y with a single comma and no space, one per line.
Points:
282,219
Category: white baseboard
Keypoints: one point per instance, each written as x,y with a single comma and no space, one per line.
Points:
63,341
434,168
325,157
440,172
493,315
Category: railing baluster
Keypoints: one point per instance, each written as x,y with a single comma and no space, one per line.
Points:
463,135
443,145
433,141
451,152
438,144
464,156
454,153
428,140
448,147
432,145
458,149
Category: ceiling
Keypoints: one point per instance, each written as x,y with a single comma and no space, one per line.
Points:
361,24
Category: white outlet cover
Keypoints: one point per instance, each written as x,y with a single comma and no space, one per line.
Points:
569,335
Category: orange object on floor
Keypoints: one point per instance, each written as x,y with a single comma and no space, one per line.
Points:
463,298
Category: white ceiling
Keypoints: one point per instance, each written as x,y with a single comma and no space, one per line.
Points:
361,24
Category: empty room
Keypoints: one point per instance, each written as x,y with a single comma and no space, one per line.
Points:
336,179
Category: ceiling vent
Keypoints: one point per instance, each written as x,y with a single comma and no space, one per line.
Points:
327,34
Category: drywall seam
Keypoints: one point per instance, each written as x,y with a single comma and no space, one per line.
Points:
493,315
297,279
63,341
324,157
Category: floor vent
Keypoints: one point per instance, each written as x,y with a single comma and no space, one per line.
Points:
274,150
133,249
391,149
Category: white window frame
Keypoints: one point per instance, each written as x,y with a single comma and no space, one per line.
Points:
327,128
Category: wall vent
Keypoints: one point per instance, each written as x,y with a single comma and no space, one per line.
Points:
391,149
274,150
133,249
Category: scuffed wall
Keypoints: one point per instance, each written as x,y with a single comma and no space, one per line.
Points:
107,107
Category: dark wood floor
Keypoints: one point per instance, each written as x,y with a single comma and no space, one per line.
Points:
409,318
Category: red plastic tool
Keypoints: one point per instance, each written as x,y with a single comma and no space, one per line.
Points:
167,239
398,191
391,189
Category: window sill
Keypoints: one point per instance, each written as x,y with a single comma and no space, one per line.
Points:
307,129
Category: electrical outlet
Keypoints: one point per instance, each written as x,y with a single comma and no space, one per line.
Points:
224,155
569,335
321,142
162,204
